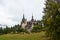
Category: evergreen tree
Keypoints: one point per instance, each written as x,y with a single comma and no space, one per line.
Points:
1,30
51,19
36,28
7,30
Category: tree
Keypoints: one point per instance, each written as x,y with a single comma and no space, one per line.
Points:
36,28
1,30
7,30
51,19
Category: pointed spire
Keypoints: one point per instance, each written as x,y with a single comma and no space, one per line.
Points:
23,20
32,18
23,16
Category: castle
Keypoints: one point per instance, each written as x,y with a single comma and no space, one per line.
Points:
27,25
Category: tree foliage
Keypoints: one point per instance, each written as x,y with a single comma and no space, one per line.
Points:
51,19
36,28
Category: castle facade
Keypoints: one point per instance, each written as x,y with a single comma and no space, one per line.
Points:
27,25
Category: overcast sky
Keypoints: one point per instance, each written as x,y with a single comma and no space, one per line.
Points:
11,11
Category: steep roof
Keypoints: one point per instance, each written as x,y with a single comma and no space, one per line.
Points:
23,20
32,18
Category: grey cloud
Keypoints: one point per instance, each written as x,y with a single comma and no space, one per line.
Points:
14,9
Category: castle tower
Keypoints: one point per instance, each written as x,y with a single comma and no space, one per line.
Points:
24,22
32,22
30,25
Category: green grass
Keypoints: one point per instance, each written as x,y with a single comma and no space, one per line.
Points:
31,36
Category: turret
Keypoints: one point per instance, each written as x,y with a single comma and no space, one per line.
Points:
24,22
32,20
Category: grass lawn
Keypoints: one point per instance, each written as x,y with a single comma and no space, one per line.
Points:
31,36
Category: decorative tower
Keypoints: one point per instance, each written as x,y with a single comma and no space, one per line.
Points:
32,22
24,22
